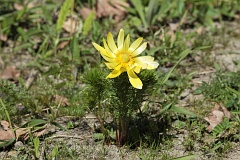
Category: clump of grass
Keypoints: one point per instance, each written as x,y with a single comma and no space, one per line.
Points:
224,89
16,98
218,89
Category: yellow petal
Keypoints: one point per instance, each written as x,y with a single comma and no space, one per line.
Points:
101,50
141,65
111,65
137,69
109,52
120,39
116,72
126,43
152,65
134,80
135,44
145,62
111,43
108,59
144,59
140,49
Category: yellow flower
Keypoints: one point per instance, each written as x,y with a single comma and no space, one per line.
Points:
125,57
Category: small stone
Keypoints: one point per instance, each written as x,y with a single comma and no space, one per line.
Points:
18,145
13,154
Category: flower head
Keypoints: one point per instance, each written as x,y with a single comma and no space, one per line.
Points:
124,57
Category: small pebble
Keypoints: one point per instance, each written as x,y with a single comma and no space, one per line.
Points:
18,145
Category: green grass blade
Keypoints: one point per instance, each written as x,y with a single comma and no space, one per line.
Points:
6,143
54,152
201,47
153,6
235,112
140,10
74,48
233,90
216,146
187,157
36,143
165,109
35,122
183,111
182,56
22,46
58,125
165,6
65,9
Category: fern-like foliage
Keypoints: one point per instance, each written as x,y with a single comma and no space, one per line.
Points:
221,127
117,95
97,87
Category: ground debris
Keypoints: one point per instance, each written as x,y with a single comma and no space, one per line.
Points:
216,116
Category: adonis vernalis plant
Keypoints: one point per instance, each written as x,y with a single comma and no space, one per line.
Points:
124,57
125,98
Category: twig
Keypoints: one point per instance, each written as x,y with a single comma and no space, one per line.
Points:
67,136
206,72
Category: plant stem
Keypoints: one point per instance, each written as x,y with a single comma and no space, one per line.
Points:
122,130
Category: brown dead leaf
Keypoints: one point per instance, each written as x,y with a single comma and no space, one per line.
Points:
62,44
70,25
10,73
40,133
85,12
216,116
3,37
63,101
5,125
18,6
105,8
5,131
200,30
22,133
6,135
225,111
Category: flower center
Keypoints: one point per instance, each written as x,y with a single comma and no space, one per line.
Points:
125,58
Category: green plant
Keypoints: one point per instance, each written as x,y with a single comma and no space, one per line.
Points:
220,89
121,100
188,144
11,96
55,152
11,140
183,11
36,144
